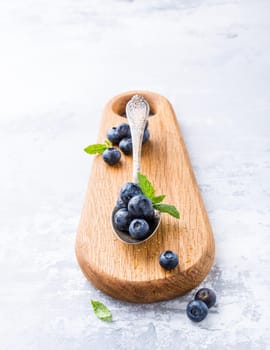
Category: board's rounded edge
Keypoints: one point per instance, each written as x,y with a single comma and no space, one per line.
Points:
175,284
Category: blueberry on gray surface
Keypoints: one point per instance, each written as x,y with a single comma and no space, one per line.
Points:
120,204
128,191
196,310
208,296
111,156
146,136
123,130
122,219
126,145
168,260
139,229
141,207
113,136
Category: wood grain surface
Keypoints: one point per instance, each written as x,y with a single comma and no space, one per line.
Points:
133,273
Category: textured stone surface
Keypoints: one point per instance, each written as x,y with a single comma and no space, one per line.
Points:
61,60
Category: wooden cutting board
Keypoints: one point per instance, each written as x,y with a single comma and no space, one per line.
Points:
133,273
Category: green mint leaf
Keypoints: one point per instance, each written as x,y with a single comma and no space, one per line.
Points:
108,143
166,208
146,186
96,148
158,199
148,190
101,311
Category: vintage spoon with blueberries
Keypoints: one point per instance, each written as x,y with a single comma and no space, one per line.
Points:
134,219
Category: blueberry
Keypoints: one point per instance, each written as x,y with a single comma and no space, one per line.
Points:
123,130
168,260
140,207
139,229
146,125
111,156
196,310
122,219
208,296
120,204
113,136
126,145
128,191
146,136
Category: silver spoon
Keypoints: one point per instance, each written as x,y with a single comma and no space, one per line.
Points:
137,111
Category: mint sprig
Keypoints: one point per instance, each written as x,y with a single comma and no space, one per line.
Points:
158,199
101,311
167,208
98,148
149,191
146,186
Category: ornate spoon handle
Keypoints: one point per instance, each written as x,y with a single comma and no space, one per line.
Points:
137,110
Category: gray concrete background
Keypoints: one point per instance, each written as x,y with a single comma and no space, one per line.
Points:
60,62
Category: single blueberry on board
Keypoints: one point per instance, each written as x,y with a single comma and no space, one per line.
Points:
196,310
168,260
141,207
146,125
139,229
208,296
111,156
123,130
126,145
146,136
128,191
113,136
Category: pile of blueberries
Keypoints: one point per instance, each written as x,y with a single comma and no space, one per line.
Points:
197,309
134,212
121,136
